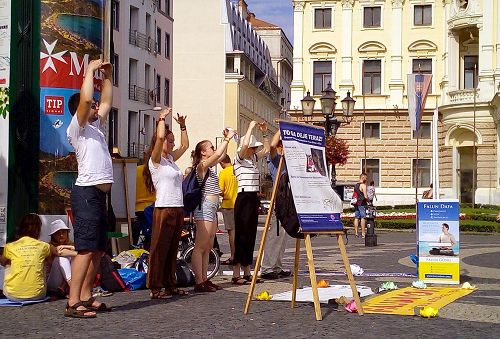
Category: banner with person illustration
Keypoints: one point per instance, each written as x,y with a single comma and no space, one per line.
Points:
318,205
438,241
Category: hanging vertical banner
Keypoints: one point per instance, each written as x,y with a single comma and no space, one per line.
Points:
72,34
418,87
5,24
318,205
438,241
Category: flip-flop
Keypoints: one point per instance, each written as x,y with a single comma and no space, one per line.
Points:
160,295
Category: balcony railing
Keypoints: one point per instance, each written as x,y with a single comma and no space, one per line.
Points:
137,93
463,96
142,41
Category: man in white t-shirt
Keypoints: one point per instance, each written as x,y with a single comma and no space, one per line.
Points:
88,197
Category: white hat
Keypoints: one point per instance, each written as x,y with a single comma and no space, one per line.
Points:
57,225
253,142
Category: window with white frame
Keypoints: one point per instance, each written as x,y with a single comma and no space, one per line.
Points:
372,76
166,96
371,17
370,130
322,18
422,173
470,71
116,68
424,132
422,66
322,76
115,14
372,170
422,15
157,88
167,45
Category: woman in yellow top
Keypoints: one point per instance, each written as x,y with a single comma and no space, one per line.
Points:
143,199
24,260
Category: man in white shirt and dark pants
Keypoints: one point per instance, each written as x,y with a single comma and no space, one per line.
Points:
88,197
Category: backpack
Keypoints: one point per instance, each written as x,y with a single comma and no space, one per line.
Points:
191,191
183,274
108,277
354,198
285,208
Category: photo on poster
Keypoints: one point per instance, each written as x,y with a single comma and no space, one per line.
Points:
316,162
439,238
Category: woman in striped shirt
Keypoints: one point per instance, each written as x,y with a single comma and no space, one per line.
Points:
204,157
246,208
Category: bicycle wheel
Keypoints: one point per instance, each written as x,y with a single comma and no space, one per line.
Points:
213,261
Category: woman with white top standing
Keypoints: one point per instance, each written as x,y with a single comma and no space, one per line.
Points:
205,156
164,177
246,208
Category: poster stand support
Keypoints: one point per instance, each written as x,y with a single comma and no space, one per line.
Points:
310,260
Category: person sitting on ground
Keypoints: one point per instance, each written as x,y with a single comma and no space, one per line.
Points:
59,264
24,260
446,238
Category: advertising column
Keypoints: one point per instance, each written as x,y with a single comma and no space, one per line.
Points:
71,36
438,241
4,113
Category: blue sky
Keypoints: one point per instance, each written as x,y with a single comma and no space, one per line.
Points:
278,12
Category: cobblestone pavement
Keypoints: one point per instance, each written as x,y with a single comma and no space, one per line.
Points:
220,314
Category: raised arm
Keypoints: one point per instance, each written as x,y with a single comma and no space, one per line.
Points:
274,144
160,137
177,153
87,93
106,101
246,139
265,150
219,153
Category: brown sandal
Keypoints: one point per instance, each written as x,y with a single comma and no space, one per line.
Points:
159,294
101,308
211,284
238,281
248,278
202,287
179,292
74,312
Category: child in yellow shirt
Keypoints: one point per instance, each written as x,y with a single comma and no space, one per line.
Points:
24,260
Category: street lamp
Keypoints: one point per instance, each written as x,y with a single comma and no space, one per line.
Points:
331,123
328,105
156,109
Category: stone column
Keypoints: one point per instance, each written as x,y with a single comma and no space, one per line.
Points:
346,52
486,82
297,87
396,84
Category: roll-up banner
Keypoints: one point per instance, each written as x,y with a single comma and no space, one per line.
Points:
72,34
5,29
318,205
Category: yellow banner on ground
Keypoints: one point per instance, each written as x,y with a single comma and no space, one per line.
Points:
405,300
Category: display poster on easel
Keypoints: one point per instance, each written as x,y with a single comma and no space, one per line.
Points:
438,241
318,205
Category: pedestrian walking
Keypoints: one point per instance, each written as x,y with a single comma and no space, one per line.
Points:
229,190
163,176
272,266
246,207
88,196
205,156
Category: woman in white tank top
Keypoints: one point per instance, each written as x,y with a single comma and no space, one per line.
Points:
204,157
